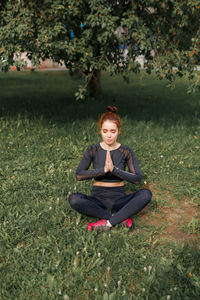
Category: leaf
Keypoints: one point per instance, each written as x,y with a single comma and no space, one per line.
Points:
112,296
105,296
50,281
180,268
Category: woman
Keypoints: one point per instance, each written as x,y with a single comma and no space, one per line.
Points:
109,159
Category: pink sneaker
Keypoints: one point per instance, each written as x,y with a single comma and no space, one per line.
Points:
90,226
128,223
99,225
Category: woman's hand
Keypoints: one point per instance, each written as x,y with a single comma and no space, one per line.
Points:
108,163
106,167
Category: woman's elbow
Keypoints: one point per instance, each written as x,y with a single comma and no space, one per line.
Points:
78,177
138,181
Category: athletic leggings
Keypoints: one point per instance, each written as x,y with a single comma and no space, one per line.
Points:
103,200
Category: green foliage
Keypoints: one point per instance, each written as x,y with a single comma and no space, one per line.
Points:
43,29
193,226
45,249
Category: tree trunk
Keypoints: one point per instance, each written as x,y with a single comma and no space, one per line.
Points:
94,85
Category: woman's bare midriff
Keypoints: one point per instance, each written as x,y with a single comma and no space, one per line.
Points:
108,184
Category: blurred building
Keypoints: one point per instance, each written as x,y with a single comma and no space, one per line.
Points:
44,64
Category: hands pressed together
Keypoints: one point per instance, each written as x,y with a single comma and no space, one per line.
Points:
108,163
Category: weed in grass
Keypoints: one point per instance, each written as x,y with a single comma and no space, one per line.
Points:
193,226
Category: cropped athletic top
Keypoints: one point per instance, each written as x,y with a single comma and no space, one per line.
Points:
121,157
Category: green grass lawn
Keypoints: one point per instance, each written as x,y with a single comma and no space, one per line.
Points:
45,249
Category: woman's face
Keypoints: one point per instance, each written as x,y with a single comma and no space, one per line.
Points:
109,132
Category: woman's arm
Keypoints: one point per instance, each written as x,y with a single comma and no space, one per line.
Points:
134,175
82,172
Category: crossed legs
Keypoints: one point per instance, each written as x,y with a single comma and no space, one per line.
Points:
129,205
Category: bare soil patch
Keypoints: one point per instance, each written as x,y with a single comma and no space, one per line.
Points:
174,217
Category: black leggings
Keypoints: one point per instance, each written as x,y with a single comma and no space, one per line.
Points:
103,199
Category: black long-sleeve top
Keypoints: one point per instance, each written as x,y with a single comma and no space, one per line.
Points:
121,157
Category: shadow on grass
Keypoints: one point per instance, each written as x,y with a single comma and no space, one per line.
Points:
51,95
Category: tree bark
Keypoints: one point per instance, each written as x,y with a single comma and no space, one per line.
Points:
94,85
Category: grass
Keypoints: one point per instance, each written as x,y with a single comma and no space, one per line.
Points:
45,250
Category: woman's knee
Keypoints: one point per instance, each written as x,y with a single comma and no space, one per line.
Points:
147,194
74,199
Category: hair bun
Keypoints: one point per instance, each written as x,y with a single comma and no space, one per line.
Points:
112,109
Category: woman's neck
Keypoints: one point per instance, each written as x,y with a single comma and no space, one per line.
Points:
110,147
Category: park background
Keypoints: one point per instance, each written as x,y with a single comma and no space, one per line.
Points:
47,120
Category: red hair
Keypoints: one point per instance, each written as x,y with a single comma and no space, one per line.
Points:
110,116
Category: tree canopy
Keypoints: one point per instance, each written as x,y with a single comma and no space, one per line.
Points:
92,35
